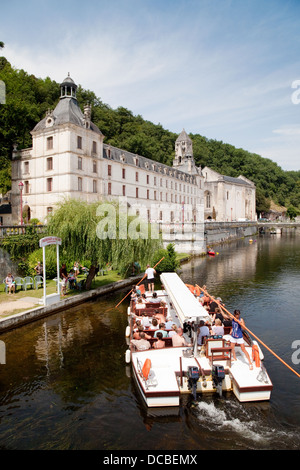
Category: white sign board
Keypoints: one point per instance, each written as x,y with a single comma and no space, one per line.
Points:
49,241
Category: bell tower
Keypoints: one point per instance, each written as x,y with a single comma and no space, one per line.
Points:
184,159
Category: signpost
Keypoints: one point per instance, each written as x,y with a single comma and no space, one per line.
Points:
46,241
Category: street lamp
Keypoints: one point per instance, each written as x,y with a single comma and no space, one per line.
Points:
21,186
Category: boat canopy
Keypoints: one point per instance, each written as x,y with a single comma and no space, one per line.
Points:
185,303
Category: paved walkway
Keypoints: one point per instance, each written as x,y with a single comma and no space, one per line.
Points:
24,303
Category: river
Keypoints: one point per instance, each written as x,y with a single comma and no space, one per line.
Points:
65,384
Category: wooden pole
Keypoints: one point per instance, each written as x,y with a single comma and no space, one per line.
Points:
249,331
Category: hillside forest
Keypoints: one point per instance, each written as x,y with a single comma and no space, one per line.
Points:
28,98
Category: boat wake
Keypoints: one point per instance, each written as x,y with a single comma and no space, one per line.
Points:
247,424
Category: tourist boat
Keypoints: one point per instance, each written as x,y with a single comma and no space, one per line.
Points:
163,375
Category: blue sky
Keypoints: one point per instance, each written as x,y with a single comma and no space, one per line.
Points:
224,69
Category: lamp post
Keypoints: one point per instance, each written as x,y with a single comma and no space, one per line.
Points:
21,186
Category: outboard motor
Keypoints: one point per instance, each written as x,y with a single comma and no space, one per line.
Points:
193,377
218,375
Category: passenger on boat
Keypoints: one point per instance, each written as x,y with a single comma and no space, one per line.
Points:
137,333
159,344
162,329
173,330
154,299
159,316
154,324
169,324
179,340
225,319
217,328
139,303
203,331
237,336
145,321
135,292
141,344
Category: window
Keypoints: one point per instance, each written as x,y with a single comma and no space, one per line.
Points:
79,166
79,142
79,184
109,170
49,184
26,187
109,189
147,193
136,176
147,179
50,163
94,186
123,173
49,210
137,192
49,143
94,147
94,166
26,167
124,190
155,195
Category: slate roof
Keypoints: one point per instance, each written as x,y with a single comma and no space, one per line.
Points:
123,156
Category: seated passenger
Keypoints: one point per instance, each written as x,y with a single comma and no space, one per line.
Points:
145,321
162,330
141,344
154,324
173,331
217,328
169,324
137,333
139,303
202,332
160,342
178,339
154,299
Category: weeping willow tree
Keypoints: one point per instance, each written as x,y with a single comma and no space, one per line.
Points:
103,233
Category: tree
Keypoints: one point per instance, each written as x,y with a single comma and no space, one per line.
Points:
99,232
170,262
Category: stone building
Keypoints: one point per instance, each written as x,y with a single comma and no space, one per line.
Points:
228,199
69,159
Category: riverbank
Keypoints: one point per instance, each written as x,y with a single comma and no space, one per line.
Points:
24,307
31,313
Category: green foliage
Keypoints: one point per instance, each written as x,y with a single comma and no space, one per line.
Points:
19,246
51,263
83,229
169,263
292,212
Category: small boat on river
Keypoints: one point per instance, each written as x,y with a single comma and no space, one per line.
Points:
163,375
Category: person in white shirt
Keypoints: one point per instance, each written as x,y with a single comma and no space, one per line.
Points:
150,272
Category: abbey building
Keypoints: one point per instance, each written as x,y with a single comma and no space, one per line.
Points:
69,159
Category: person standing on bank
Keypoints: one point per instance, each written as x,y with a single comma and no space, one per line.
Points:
236,334
150,272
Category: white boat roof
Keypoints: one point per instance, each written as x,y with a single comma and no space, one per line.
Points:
188,308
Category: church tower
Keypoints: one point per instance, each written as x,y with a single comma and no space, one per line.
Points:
184,159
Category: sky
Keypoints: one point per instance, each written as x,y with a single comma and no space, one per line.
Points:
225,69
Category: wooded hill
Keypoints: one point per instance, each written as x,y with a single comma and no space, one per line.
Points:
28,98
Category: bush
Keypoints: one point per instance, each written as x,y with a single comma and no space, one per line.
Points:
37,255
169,263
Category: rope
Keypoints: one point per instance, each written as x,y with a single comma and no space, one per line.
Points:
249,331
